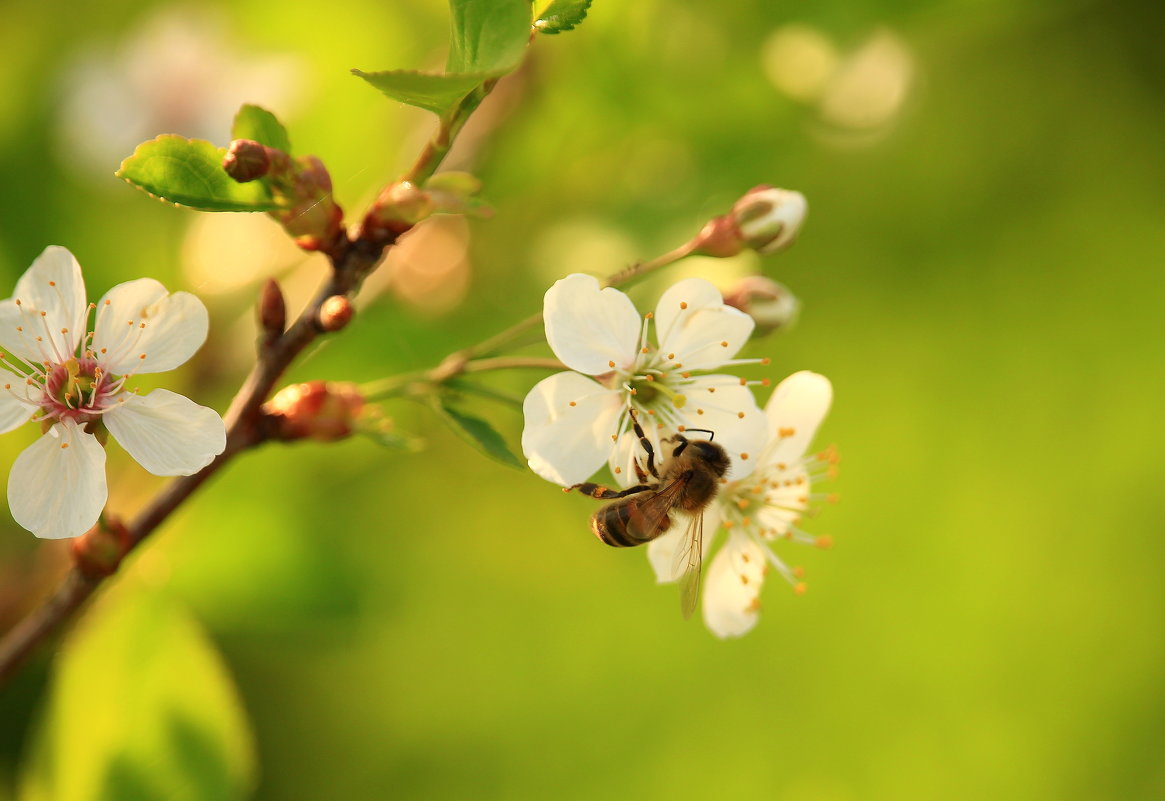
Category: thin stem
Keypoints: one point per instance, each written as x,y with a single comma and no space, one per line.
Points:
422,381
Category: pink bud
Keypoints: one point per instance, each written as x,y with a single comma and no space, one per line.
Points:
771,305
322,410
335,313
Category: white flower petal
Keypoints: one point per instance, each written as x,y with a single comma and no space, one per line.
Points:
692,322
167,433
57,485
732,587
141,317
16,401
795,410
720,412
628,449
588,328
661,551
53,285
567,443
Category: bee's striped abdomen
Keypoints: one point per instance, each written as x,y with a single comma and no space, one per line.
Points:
623,525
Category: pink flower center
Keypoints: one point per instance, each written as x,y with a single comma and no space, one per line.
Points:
77,390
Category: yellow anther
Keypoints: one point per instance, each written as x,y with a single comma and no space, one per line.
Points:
785,432
740,415
753,605
744,457
799,571
645,349
699,411
650,377
671,355
64,445
724,344
824,541
610,364
572,403
683,304
618,470
685,374
743,579
52,283
746,521
800,587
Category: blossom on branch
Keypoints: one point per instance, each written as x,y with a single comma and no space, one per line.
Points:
576,421
72,382
760,508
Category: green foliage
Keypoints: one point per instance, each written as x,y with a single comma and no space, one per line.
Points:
141,708
487,36
188,172
260,125
477,432
562,15
436,93
487,39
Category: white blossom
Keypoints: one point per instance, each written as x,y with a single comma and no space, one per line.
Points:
576,421
72,382
758,509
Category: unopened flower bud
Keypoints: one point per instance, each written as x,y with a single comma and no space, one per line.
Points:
246,160
100,550
272,310
771,305
322,410
769,218
398,208
335,313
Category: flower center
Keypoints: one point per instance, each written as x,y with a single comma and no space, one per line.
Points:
77,389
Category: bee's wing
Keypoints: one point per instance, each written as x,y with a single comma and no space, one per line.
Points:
656,508
688,561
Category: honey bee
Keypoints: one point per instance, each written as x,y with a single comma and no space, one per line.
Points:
686,482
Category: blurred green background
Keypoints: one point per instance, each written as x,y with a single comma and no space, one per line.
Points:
982,280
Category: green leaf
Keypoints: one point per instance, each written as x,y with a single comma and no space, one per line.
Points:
259,124
477,432
188,172
437,93
487,36
562,15
141,707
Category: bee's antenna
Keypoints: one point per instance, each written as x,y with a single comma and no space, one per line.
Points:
711,434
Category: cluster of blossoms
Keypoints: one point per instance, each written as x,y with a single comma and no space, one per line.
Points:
73,382
575,421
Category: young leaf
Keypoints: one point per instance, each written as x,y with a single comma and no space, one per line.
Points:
140,707
437,93
488,36
188,172
260,125
477,432
562,15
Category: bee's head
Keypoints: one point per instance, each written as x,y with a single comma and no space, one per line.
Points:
703,450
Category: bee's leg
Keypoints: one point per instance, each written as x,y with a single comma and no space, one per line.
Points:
606,493
646,443
640,473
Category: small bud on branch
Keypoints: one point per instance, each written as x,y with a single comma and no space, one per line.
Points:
335,313
99,551
272,311
765,219
321,410
770,304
